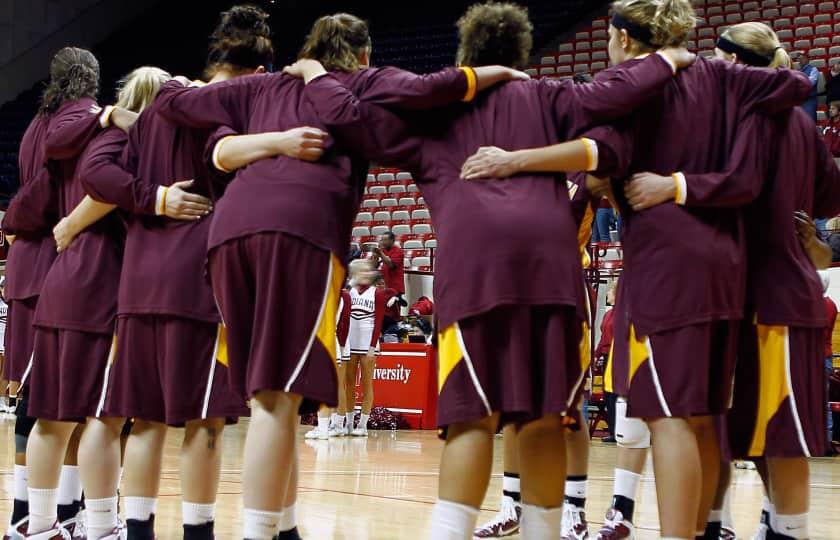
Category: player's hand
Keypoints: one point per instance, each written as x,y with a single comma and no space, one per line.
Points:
64,234
806,229
646,190
185,206
306,69
680,56
489,162
304,143
516,75
123,118
183,80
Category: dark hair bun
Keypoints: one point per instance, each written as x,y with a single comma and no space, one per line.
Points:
242,38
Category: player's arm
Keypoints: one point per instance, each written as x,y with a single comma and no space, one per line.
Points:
74,127
827,187
33,210
226,103
818,251
231,151
767,91
379,316
86,213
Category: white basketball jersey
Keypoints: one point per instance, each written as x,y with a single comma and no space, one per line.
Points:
362,319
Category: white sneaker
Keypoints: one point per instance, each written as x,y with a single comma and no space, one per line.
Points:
317,434
56,533
574,523
14,532
360,431
504,523
338,431
76,526
761,532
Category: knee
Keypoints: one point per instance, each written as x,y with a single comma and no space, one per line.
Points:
631,433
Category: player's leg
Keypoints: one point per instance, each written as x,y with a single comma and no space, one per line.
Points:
350,372
719,524
465,469
337,423
575,526
368,364
70,482
506,521
287,527
270,453
790,493
709,449
633,437
322,430
99,465
141,480
23,428
45,453
542,460
201,463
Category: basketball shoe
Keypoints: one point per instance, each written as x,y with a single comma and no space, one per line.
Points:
574,523
505,523
615,527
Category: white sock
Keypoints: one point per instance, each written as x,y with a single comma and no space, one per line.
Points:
726,520
139,508
351,416
101,516
576,488
323,424
511,487
43,509
714,517
288,520
197,514
795,526
453,521
541,523
335,419
677,538
626,483
363,420
69,485
21,483
260,525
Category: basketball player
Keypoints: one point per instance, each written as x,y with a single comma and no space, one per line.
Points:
285,248
366,313
328,425
689,330
782,338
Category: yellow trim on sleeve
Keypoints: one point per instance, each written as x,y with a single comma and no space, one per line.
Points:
105,119
472,83
678,194
591,153
162,209
217,151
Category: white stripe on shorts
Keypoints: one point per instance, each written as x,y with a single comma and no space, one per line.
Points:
212,374
111,354
315,327
468,361
794,411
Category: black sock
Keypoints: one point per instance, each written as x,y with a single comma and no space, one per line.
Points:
625,506
67,511
579,502
712,530
20,510
141,530
291,534
199,532
515,495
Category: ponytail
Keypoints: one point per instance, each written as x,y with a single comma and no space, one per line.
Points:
139,88
74,74
337,41
241,41
761,41
669,22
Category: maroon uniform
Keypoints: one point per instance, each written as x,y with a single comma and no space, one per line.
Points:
507,345
171,353
48,156
673,332
779,404
831,136
342,330
283,226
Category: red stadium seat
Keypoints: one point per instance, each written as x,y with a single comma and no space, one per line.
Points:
364,217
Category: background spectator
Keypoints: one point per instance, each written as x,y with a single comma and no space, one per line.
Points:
831,318
392,306
832,83
388,257
831,132
602,353
813,75
604,221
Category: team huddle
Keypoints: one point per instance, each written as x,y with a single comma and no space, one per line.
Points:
196,221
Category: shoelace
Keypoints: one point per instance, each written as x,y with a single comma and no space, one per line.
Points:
571,519
614,522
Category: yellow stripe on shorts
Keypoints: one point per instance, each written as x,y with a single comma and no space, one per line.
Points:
449,353
772,381
326,326
221,345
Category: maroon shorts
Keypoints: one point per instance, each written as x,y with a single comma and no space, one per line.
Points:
682,372
68,372
170,370
279,295
20,338
521,361
779,403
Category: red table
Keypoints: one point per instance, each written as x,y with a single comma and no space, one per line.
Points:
405,381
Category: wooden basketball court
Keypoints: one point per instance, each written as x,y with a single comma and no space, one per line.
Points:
383,488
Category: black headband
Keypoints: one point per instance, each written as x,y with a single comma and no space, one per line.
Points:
745,55
635,31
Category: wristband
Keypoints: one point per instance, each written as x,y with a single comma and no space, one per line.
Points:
472,83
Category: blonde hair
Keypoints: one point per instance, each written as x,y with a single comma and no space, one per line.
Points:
670,21
139,88
760,39
360,265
